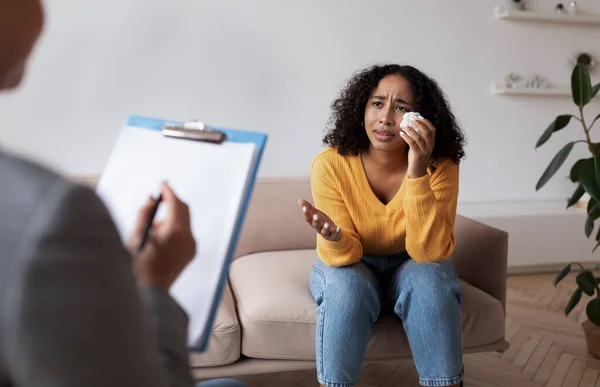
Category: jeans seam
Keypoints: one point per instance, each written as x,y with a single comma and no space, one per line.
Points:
321,322
441,381
323,278
321,315
331,383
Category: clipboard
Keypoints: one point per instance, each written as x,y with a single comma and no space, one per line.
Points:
213,170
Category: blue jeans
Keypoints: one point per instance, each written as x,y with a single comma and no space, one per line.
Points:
221,383
426,296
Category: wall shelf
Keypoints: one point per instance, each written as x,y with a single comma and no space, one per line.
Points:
502,12
499,88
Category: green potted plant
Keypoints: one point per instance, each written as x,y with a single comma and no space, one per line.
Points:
585,173
586,283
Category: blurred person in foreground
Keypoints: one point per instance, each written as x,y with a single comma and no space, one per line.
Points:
75,308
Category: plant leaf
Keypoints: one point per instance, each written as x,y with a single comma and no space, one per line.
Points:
594,249
574,175
576,195
573,301
586,282
589,226
563,273
554,165
591,204
593,311
581,85
559,123
595,90
593,209
588,176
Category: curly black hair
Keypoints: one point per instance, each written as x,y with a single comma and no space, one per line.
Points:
347,135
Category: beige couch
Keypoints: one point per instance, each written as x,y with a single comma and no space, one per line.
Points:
266,321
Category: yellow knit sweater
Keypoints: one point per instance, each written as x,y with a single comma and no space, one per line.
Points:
419,219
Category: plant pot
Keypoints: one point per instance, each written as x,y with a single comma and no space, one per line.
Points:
592,337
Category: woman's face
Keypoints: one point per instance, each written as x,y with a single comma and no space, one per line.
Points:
384,111
21,23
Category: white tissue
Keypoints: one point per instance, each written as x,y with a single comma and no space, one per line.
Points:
407,120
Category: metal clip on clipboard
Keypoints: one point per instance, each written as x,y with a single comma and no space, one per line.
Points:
194,130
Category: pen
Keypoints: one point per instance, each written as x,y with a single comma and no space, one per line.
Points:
148,227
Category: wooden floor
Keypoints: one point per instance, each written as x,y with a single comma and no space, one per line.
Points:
547,348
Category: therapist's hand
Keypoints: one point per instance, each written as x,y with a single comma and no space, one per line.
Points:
171,246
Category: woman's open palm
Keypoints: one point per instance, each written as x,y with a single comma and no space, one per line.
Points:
320,222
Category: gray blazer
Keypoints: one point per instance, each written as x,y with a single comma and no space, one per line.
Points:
71,314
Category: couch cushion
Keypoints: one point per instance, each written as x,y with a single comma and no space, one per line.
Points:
224,344
278,313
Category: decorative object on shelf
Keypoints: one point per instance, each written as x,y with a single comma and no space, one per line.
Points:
512,81
585,59
560,16
572,8
515,81
551,91
537,82
584,172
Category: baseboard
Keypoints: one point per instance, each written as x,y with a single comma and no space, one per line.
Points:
552,268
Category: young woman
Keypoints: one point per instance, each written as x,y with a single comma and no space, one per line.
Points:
385,202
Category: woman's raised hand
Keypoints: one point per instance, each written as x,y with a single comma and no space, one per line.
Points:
320,221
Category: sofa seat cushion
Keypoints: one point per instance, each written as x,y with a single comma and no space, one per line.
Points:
224,343
278,313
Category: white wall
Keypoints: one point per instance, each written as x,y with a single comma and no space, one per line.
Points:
275,66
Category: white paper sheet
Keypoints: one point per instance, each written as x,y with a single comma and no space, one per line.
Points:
210,178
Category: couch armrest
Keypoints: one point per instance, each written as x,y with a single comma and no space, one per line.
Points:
480,256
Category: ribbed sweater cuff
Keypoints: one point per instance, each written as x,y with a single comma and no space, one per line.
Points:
341,244
418,186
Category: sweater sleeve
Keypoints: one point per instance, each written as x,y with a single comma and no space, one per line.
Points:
328,199
430,206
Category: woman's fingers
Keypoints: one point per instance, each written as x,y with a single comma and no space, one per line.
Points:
307,209
330,231
428,123
319,221
410,136
426,133
315,222
413,138
311,214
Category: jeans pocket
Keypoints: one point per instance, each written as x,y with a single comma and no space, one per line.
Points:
317,284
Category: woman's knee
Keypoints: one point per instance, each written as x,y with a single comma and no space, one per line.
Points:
431,285
348,289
